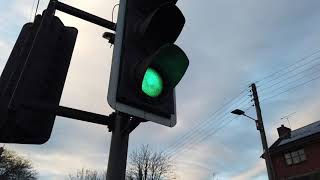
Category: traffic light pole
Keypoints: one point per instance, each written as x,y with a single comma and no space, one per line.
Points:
123,125
118,150
260,127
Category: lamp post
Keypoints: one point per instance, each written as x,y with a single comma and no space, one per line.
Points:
260,128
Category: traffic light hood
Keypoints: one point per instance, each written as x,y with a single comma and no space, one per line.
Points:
162,26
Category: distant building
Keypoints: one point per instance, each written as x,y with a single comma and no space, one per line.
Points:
296,153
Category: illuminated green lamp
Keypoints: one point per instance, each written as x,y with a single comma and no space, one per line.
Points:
152,83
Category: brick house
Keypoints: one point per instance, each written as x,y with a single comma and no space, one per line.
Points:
296,153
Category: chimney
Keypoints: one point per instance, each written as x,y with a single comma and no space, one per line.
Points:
284,132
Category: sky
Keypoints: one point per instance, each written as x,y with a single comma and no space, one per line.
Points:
230,44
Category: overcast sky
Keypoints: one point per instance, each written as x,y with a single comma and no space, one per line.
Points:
230,44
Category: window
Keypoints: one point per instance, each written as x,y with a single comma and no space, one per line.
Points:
295,157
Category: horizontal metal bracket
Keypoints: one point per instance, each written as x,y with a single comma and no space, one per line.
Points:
71,113
83,15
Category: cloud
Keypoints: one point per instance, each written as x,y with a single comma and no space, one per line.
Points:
4,49
195,166
255,170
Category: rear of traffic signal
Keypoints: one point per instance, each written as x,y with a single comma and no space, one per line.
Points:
33,79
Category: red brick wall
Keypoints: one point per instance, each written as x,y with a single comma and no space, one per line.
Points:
282,170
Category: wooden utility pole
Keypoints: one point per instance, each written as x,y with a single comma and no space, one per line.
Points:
260,127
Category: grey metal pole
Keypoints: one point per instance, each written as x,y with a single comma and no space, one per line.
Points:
122,124
118,149
262,133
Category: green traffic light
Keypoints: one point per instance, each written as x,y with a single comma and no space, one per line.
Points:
172,62
152,84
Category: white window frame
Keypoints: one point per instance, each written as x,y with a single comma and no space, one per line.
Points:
295,157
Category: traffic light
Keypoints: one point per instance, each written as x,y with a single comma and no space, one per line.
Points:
33,78
147,65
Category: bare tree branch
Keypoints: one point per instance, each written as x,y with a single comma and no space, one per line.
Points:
145,164
15,167
85,174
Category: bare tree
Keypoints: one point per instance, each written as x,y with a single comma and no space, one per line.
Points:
14,167
85,174
145,164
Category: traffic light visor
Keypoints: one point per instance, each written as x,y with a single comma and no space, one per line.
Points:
171,63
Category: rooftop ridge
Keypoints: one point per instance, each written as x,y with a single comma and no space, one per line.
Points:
306,126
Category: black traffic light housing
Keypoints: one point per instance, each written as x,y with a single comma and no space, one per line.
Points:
34,76
145,56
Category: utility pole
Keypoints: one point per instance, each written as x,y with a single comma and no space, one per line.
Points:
260,127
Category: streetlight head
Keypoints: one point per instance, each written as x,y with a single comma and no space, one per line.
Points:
237,112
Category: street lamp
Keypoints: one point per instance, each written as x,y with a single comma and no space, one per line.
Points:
260,127
240,112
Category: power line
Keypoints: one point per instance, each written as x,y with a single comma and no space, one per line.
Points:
192,142
189,136
195,140
223,125
203,123
290,77
175,154
292,88
226,106
296,62
295,80
200,131
292,70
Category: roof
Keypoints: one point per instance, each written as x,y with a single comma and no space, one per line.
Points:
300,133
